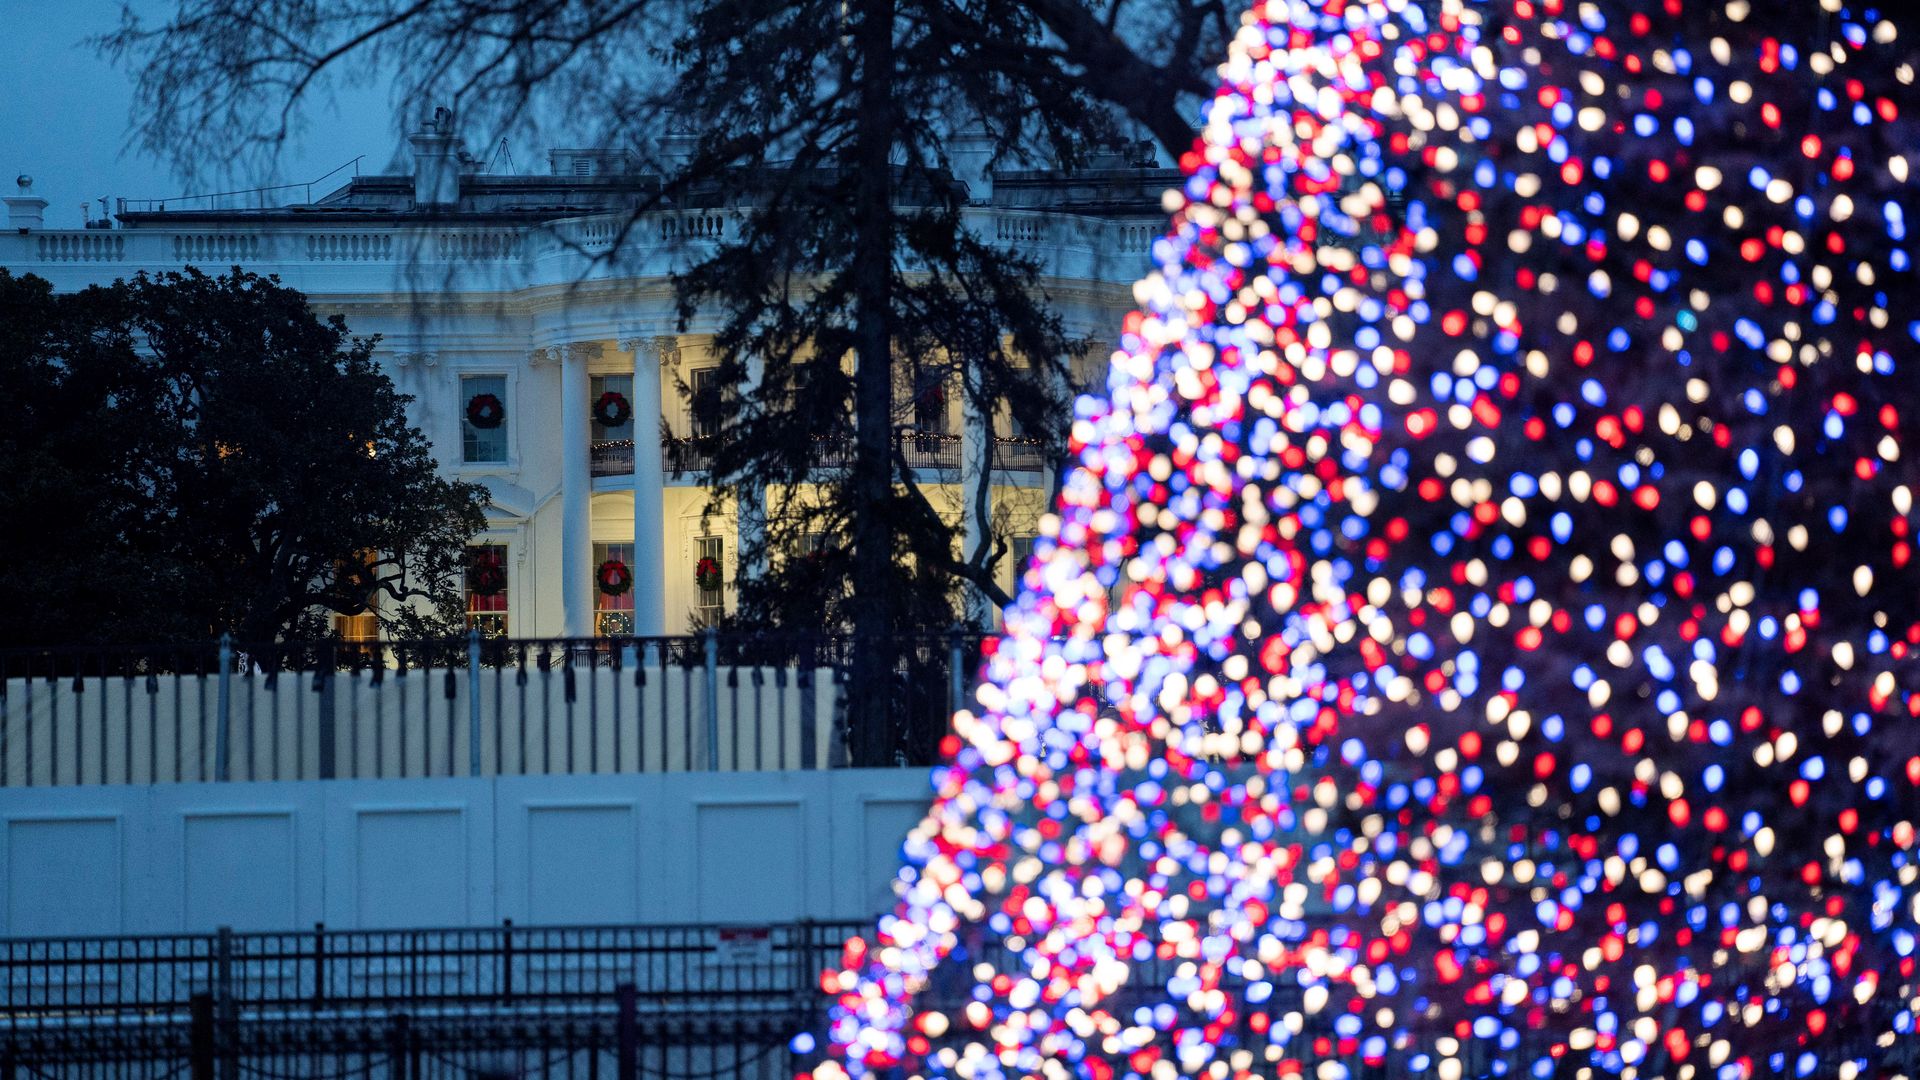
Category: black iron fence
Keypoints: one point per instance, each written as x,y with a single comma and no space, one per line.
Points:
632,1001
466,707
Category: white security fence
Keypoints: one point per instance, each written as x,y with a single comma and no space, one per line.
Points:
680,847
383,723
324,710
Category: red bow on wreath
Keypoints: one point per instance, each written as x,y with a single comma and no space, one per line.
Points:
706,573
485,411
615,578
612,410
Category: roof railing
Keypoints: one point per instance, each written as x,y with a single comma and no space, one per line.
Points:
253,198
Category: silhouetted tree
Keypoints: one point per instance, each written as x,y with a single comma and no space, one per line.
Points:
190,455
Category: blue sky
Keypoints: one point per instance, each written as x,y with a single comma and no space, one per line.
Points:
64,116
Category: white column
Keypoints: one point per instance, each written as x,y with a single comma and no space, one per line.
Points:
649,488
976,493
576,494
751,513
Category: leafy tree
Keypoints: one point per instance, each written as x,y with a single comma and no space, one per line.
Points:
853,282
198,455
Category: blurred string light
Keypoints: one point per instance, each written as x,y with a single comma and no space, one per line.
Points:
1475,635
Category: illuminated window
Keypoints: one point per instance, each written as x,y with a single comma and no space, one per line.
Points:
610,397
711,603
487,589
357,629
612,612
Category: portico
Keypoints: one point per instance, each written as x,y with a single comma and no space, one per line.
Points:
508,306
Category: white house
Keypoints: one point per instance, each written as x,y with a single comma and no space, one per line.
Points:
508,305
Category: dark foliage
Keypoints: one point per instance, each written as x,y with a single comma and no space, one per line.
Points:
191,455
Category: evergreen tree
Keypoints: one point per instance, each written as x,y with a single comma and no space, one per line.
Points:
1506,484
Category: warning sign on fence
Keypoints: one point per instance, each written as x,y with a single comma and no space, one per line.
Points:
743,945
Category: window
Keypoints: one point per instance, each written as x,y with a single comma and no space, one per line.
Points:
612,447
930,400
1088,374
712,601
357,629
478,444
612,615
487,589
610,384
1019,553
807,545
703,413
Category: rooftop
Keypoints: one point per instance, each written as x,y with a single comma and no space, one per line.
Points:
448,186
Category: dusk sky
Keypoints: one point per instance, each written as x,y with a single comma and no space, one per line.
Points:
64,117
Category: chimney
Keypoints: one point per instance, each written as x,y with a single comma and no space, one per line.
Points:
25,211
436,161
970,154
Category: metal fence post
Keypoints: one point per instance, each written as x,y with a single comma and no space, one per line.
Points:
227,1010
808,977
506,960
200,1037
711,639
956,683
473,702
319,964
397,1048
626,1029
327,721
223,709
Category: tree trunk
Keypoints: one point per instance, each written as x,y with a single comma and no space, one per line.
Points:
872,692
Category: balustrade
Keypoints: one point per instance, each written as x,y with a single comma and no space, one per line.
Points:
350,247
89,246
217,247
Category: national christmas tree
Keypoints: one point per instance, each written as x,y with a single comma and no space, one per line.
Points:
1475,636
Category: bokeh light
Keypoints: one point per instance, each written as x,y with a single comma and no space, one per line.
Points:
1475,636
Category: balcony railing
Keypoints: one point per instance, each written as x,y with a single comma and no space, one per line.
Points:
463,707
930,449
937,451
612,457
1019,454
687,454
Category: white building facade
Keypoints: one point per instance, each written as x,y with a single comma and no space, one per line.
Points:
521,311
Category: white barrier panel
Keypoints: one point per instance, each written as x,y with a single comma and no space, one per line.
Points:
750,848
387,723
